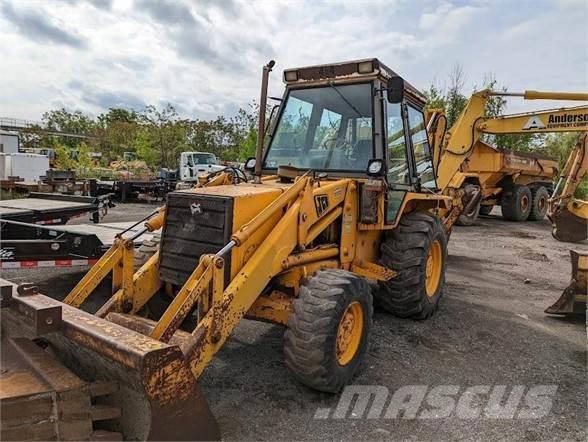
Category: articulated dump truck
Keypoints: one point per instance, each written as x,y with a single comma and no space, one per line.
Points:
350,202
521,183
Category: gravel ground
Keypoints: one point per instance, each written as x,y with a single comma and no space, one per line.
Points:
490,330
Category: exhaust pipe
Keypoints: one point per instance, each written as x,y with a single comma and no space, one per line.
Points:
261,121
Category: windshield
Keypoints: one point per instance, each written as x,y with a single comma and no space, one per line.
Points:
324,128
201,158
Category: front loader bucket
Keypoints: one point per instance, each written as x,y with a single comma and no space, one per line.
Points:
573,298
124,384
568,227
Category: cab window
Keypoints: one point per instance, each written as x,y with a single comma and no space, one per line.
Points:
398,170
421,149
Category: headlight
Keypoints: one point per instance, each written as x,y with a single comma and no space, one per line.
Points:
250,164
375,168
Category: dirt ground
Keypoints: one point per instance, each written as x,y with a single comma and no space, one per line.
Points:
490,330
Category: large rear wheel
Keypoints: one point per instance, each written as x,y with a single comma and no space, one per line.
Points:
516,203
328,333
539,198
417,251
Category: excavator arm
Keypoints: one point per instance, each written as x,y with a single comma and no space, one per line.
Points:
568,215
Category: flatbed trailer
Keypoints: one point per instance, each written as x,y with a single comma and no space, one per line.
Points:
53,208
29,246
519,182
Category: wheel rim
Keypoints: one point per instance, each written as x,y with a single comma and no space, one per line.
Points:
542,203
524,203
433,270
349,333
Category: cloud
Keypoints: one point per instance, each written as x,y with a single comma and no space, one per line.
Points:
105,99
38,27
171,13
205,56
101,4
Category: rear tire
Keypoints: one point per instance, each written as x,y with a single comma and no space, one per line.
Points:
516,204
417,251
146,250
539,197
486,210
328,333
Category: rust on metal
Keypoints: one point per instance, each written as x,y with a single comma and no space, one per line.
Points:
158,396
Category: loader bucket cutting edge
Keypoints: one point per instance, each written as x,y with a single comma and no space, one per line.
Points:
573,298
158,396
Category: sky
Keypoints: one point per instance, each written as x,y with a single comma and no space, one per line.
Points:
205,56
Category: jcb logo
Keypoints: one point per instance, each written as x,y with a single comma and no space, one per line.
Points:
534,123
321,202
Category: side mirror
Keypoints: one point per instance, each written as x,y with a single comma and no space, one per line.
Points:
250,164
375,168
395,90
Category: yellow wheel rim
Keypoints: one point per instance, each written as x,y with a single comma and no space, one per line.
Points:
349,333
434,266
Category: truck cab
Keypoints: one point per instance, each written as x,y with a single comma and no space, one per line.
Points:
194,164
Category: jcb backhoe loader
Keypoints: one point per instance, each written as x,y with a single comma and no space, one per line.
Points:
347,191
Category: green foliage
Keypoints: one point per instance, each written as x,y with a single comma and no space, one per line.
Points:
156,135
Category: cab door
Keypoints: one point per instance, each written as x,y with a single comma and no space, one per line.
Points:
408,155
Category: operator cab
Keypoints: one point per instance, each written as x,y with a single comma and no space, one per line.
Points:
345,120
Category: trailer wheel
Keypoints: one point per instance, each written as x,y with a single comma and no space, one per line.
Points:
486,210
516,204
417,251
328,333
146,250
539,197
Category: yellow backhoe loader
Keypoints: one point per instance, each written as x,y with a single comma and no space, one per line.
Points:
348,191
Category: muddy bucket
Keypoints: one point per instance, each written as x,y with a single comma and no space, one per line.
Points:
147,381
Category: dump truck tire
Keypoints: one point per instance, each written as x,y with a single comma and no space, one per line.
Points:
417,251
539,197
486,210
328,333
516,204
469,218
146,250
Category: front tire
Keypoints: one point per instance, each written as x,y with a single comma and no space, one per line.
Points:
328,333
417,251
469,218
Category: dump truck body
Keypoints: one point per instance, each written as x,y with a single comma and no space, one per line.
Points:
497,171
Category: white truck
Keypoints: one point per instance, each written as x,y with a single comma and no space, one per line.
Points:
194,164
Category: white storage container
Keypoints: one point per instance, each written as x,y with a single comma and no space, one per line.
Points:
28,166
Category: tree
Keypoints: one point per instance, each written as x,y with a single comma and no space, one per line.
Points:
76,122
455,100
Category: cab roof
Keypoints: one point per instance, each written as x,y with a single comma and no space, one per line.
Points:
368,68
